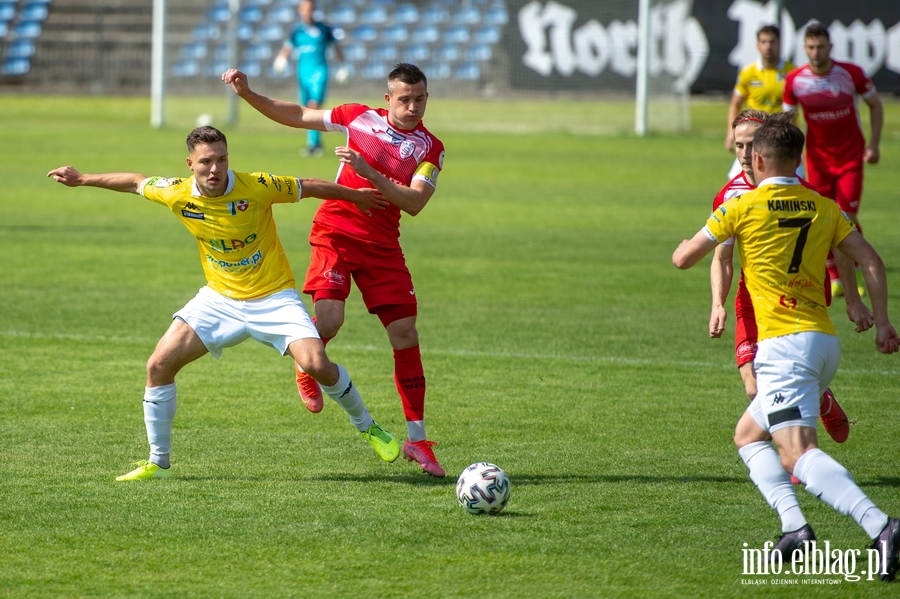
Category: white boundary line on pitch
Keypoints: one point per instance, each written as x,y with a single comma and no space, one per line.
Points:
447,352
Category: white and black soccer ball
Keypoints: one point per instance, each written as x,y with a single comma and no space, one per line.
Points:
483,488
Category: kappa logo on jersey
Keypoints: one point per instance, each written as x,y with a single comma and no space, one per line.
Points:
406,149
191,206
262,180
191,210
333,276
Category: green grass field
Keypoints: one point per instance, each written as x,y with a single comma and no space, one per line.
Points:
559,342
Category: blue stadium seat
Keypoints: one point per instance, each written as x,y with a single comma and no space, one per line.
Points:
219,14
27,29
343,14
252,68
193,51
273,32
435,14
4,29
395,34
416,53
438,70
33,11
467,15
385,52
496,15
426,34
374,15
216,68
487,34
374,70
468,71
456,34
7,11
15,66
257,2
281,14
258,51
354,51
186,68
478,52
245,32
206,31
250,14
447,53
20,49
364,33
406,13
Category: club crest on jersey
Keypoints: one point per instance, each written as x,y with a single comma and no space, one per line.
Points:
406,149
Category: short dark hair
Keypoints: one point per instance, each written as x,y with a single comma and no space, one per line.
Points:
772,29
204,136
817,30
779,140
407,73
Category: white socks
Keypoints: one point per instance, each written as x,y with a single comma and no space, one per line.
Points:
159,411
774,483
829,481
415,430
346,395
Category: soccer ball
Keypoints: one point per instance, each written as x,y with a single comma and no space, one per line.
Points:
483,488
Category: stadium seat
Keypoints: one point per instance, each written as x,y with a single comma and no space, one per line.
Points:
467,71
20,49
220,52
27,29
496,15
487,34
13,66
354,51
193,51
7,11
456,34
273,32
446,52
186,68
435,14
374,15
252,68
478,52
258,51
364,33
4,28
281,14
385,52
257,2
219,14
33,11
416,53
406,13
374,70
250,14
245,32
438,70
427,34
206,31
394,34
216,68
467,15
343,14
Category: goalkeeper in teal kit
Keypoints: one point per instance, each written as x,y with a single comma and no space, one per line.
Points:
311,39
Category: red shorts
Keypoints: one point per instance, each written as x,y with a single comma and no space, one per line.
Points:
379,271
745,331
844,185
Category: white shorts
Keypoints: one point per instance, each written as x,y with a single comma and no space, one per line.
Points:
792,373
276,320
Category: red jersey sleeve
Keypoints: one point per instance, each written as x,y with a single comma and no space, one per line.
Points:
789,100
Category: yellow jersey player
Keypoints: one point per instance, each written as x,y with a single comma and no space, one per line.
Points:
760,84
250,291
785,232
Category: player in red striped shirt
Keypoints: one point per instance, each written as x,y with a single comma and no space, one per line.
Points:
390,149
836,149
722,270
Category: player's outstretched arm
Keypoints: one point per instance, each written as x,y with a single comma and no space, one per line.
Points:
286,113
859,250
365,199
876,119
692,250
721,273
410,199
70,177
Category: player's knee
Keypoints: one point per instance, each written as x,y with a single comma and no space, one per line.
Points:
328,326
159,370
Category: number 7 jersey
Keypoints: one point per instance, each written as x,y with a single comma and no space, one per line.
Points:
784,233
